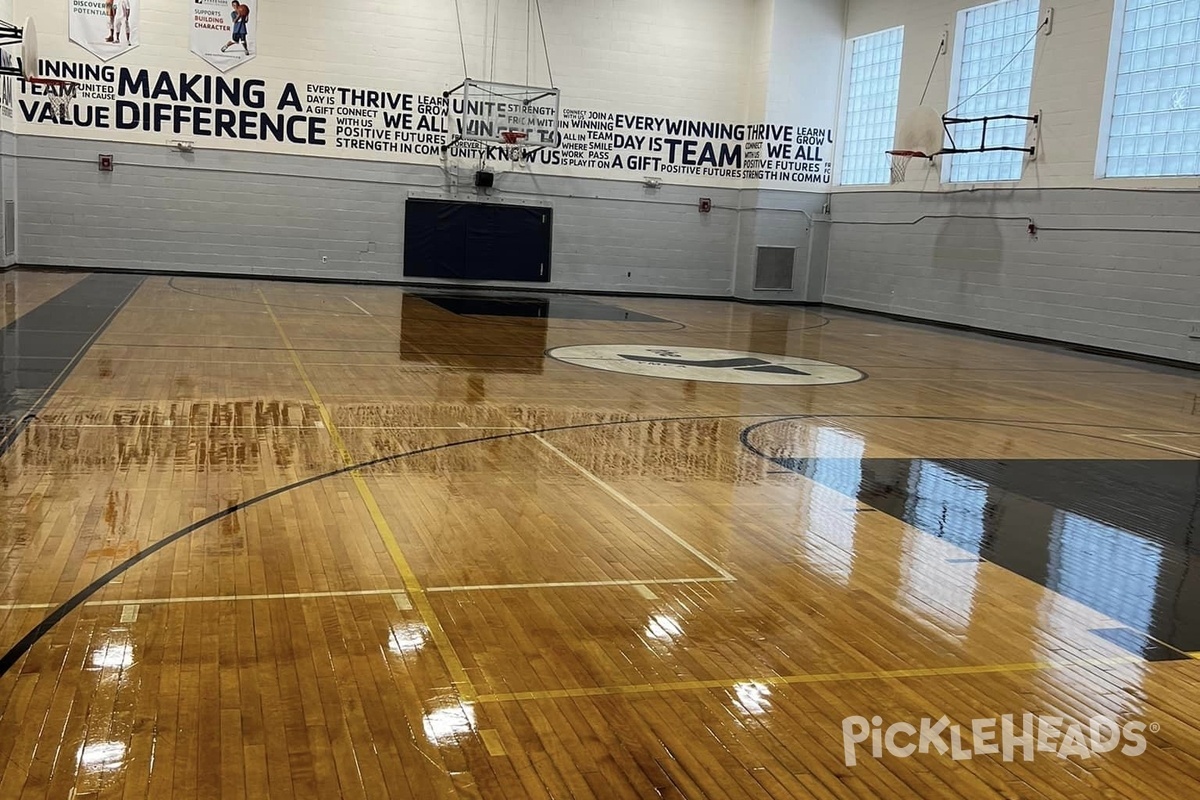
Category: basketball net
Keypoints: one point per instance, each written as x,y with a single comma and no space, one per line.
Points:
58,95
514,139
901,160
899,168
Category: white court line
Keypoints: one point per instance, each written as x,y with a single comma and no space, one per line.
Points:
582,470
214,598
360,308
402,601
206,426
1148,440
643,582
1166,434
644,591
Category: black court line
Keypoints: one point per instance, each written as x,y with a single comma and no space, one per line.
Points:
39,349
18,650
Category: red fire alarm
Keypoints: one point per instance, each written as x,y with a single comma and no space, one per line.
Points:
705,205
106,163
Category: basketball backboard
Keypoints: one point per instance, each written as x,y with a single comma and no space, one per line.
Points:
490,112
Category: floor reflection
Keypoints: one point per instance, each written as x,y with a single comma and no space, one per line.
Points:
1117,536
533,306
38,347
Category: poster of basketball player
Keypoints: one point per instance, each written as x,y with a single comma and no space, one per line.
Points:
224,32
106,28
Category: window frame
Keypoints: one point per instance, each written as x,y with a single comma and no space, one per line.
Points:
1108,106
844,105
1110,88
960,43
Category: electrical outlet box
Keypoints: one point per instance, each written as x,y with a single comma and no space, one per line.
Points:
1194,333
105,163
705,205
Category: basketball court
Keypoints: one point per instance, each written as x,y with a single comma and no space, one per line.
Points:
478,532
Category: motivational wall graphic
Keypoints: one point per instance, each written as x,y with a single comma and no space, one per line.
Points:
412,126
224,32
106,28
705,364
6,85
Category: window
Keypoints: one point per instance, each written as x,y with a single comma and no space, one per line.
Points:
994,73
1153,101
872,94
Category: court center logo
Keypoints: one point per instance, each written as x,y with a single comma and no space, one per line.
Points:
706,364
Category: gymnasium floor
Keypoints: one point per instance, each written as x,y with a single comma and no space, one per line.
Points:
296,540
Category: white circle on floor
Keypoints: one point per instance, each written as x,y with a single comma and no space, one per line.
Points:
705,364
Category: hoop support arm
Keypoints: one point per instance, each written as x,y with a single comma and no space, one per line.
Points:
965,120
529,100
949,151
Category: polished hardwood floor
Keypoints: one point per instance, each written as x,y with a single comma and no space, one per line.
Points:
282,540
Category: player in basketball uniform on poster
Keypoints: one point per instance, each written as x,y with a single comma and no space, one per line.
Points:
240,18
121,16
110,8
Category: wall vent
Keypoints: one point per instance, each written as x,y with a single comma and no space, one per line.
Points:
773,268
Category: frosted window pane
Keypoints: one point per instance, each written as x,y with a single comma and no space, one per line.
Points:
1156,105
993,35
872,94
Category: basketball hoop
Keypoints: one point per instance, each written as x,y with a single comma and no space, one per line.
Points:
514,141
59,94
900,161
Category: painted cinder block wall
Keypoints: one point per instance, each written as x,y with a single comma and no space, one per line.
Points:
271,209
1087,284
8,149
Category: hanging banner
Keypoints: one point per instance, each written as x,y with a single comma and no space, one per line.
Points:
224,32
106,28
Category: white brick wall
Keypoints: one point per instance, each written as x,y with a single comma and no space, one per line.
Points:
1131,291
733,61
249,208
274,214
1120,289
7,149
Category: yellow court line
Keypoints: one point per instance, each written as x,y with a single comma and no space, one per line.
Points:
458,674
788,680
